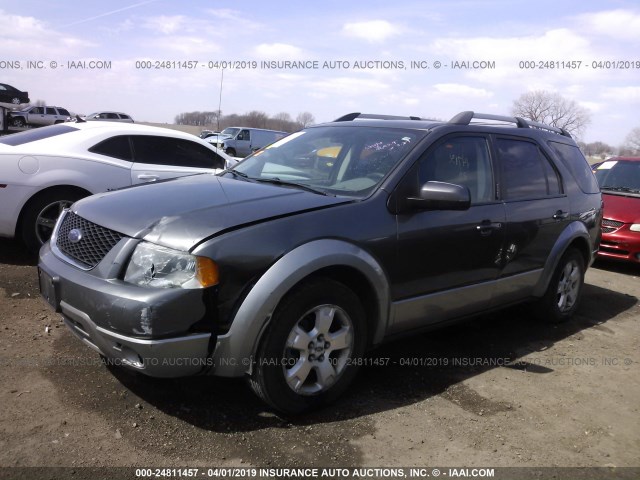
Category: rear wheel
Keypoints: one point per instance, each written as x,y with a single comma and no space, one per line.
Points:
562,297
308,355
231,152
15,101
19,122
42,212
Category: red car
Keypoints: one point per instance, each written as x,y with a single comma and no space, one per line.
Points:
619,180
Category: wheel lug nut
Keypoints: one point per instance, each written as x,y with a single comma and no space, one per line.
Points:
311,345
321,358
312,357
326,345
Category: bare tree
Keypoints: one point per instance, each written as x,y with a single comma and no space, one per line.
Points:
632,142
256,119
282,120
304,119
552,109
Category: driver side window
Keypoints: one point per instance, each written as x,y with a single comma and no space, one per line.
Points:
462,161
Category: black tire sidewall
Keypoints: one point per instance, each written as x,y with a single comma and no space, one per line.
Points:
33,209
268,372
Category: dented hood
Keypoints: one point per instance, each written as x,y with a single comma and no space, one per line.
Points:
180,213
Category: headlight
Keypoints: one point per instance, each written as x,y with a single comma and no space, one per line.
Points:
160,267
635,227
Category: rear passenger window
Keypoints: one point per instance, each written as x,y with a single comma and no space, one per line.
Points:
174,151
572,158
116,147
526,172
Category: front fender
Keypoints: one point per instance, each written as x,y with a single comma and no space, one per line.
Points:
574,232
235,350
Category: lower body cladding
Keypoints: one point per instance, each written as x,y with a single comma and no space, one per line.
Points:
149,330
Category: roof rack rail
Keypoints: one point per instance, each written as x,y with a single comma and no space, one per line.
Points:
465,118
349,117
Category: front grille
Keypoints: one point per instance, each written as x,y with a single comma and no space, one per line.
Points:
609,226
95,241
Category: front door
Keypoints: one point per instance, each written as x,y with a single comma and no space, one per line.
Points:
449,260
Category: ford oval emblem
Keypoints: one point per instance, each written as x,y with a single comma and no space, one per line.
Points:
75,235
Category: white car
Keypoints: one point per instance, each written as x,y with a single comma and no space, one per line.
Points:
44,170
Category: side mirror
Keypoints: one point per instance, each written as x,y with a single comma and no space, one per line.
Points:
441,196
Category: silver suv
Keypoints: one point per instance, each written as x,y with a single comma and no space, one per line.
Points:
39,116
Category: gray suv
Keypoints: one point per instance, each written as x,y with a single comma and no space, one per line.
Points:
287,268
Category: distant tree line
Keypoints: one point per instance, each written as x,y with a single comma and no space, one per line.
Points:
255,119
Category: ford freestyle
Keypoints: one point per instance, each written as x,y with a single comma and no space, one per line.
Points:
286,268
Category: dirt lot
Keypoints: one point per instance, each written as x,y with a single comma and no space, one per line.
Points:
569,399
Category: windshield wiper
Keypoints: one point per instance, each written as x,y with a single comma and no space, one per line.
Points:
277,181
235,173
621,189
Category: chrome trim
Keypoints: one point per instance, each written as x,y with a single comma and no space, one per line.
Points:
54,247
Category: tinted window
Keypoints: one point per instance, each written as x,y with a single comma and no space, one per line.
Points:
116,147
526,172
36,134
124,117
572,158
51,111
36,110
63,111
174,151
461,161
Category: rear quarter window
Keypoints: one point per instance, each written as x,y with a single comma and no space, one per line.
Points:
572,158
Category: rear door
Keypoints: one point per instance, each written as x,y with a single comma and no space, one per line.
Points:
537,211
157,157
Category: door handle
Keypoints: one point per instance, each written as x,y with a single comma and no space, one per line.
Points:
486,227
148,178
560,215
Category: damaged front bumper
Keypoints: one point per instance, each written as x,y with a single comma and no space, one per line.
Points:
144,329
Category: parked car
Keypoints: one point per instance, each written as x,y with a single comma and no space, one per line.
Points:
619,180
240,142
110,117
288,267
12,95
38,116
45,170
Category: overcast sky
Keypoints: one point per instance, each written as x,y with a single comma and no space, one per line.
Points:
505,32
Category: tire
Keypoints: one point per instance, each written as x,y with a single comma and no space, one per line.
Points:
231,152
562,298
19,122
40,215
318,331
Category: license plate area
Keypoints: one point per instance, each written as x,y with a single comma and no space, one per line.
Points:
48,289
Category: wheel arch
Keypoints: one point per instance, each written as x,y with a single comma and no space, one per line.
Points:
575,236
336,259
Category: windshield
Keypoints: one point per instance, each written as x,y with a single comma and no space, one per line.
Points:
336,160
619,175
230,132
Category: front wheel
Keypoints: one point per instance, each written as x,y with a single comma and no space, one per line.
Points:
231,152
562,297
19,122
15,101
310,352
